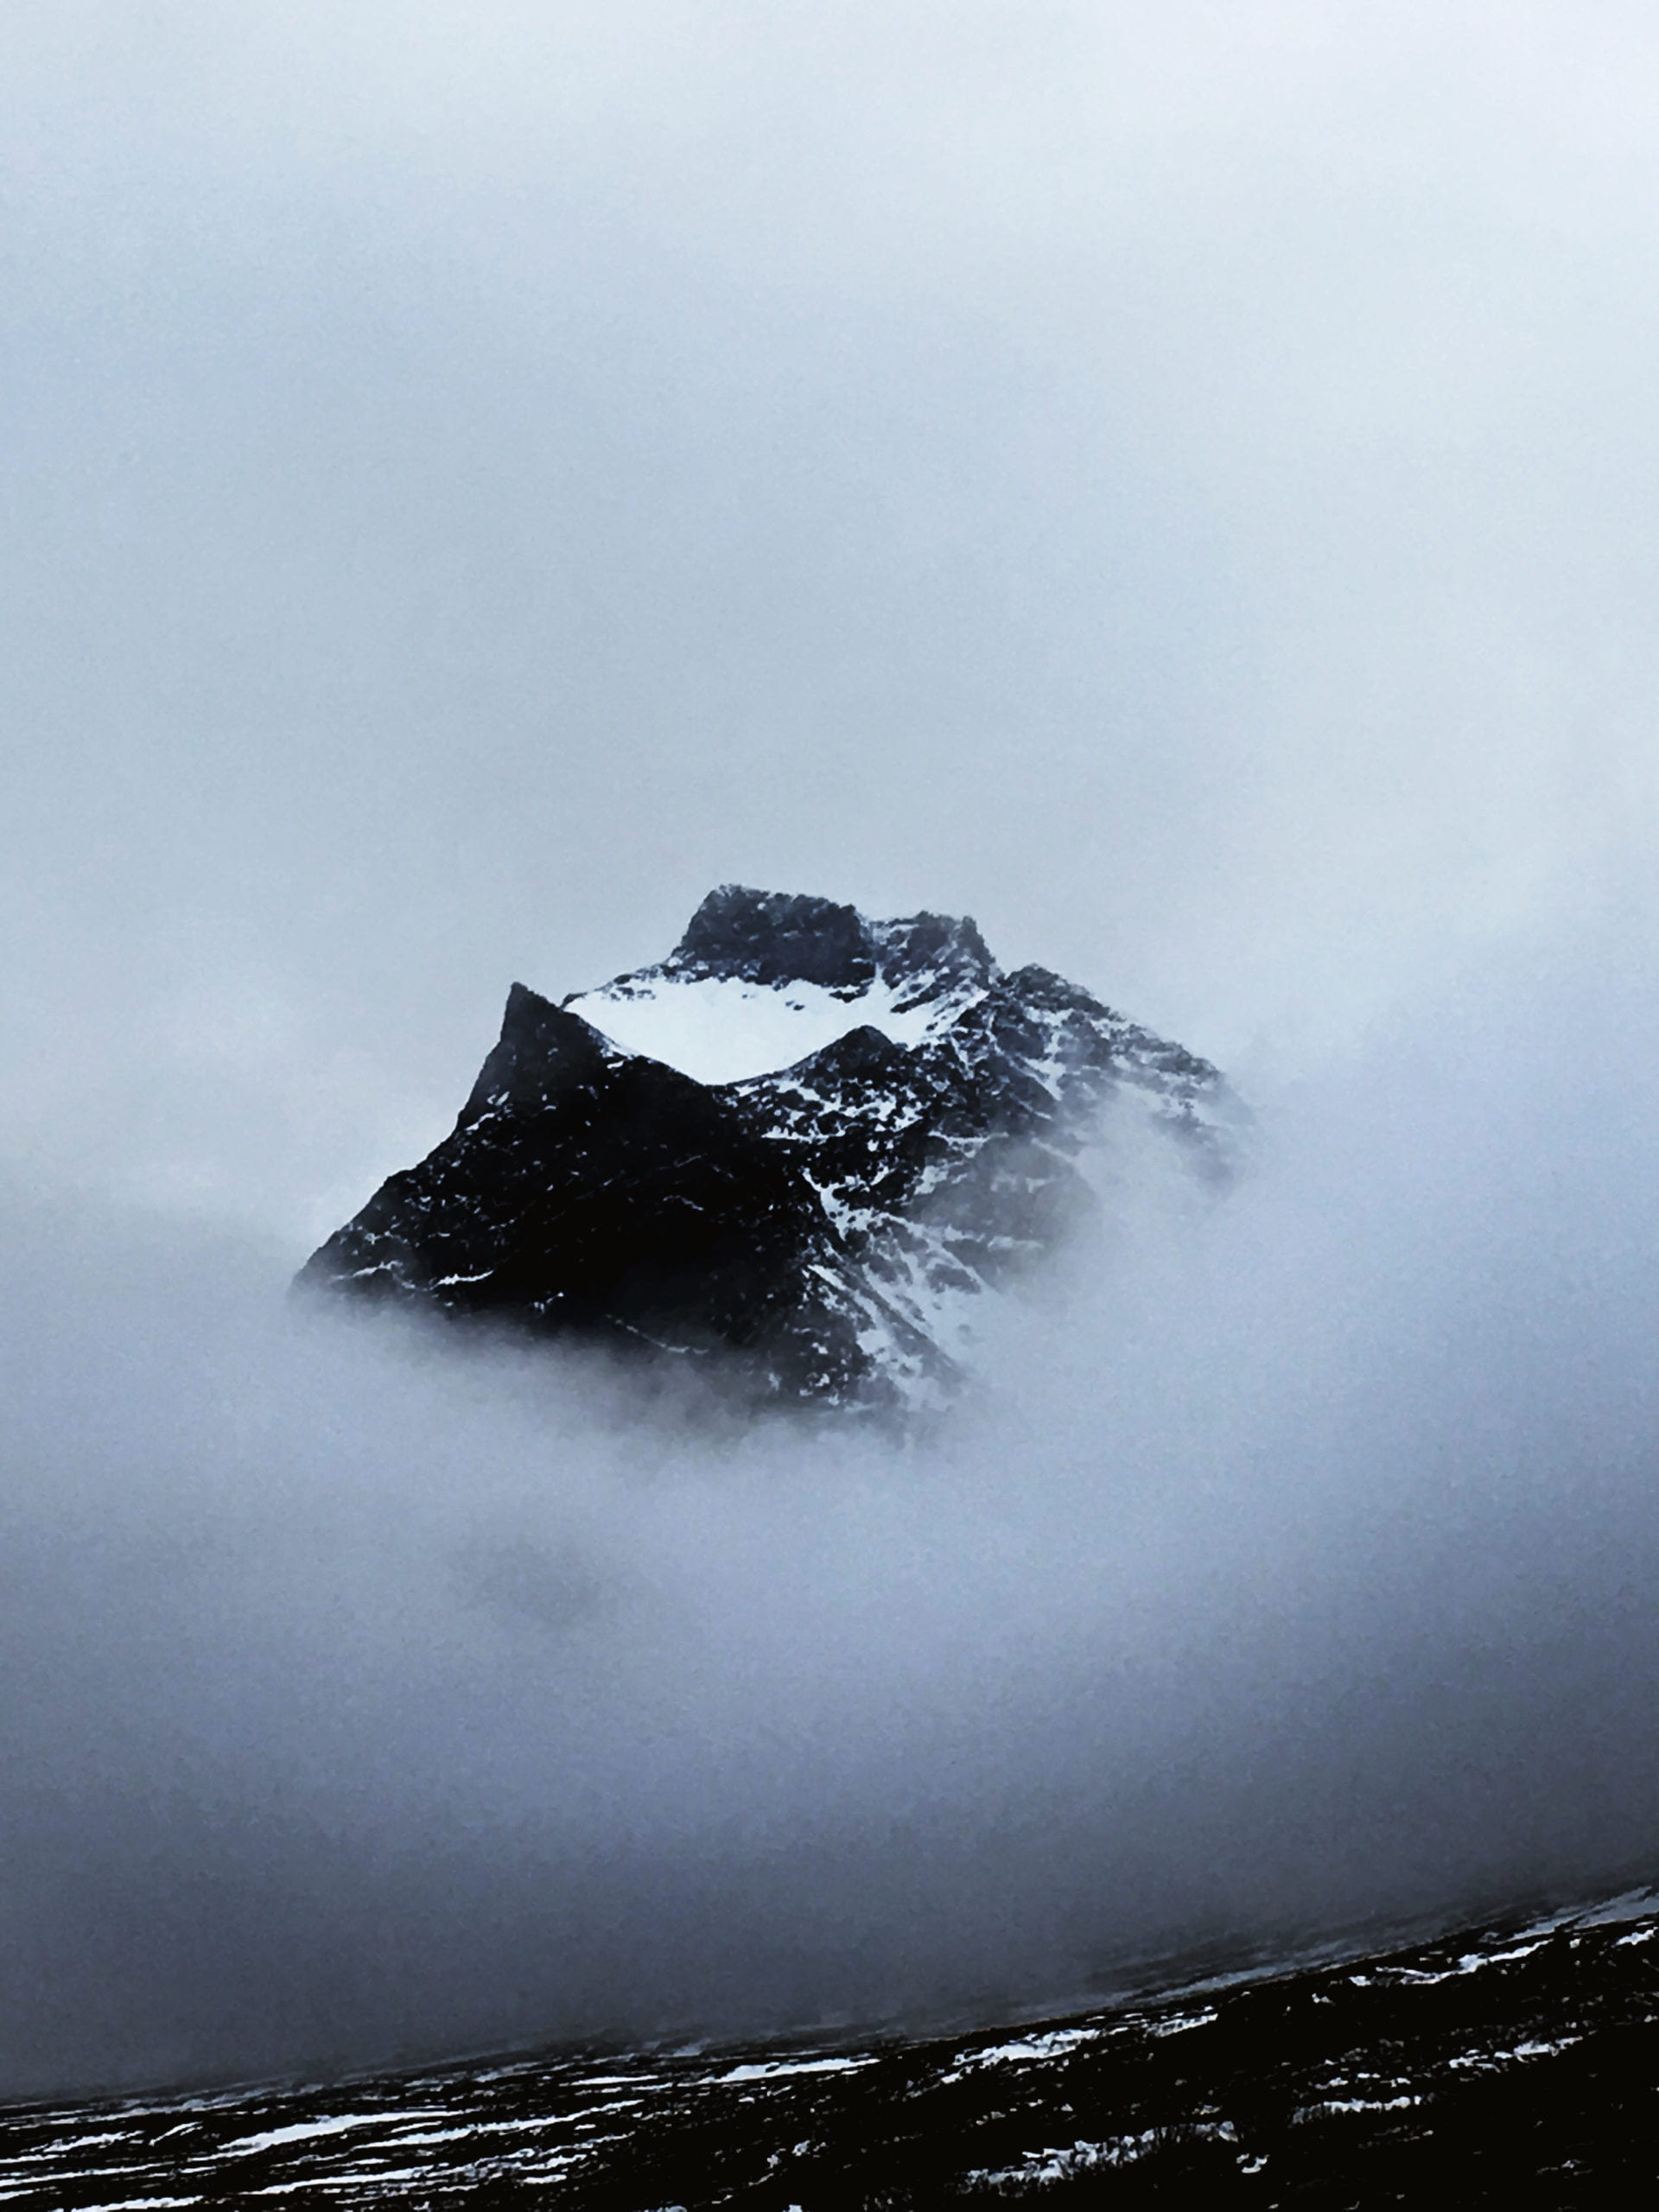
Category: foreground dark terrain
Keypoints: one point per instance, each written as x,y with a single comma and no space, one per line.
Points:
1516,2065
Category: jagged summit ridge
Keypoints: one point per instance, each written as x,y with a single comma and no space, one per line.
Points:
807,1142
778,938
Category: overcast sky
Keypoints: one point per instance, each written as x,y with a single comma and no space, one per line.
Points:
1176,483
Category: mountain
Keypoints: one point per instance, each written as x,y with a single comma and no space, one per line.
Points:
806,1143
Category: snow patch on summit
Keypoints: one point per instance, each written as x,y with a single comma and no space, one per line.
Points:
720,1029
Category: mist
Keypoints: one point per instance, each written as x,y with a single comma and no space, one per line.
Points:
1177,488
373,1694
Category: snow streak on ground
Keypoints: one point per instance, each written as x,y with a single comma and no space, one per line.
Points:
1504,2060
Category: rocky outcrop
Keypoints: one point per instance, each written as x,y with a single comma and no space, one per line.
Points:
807,1143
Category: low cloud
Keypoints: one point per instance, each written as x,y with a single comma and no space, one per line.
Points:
1289,1570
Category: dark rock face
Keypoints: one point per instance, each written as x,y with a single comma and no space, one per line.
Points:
590,1191
769,936
775,937
826,1219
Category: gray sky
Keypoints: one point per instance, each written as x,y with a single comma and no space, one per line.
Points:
1176,483
1173,483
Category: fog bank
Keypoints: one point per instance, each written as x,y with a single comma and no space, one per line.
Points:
1291,1566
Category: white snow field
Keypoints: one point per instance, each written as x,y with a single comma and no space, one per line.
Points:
721,1029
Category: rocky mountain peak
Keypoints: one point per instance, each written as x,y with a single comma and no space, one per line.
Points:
808,1142
541,1053
774,936
778,938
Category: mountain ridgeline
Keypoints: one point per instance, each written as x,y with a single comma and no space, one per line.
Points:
804,1144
